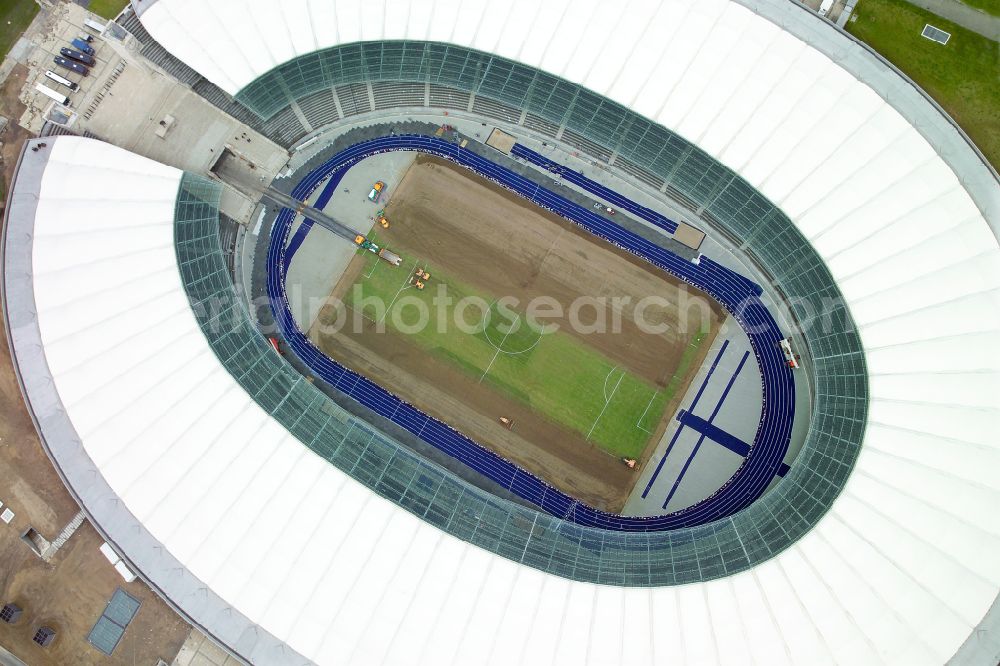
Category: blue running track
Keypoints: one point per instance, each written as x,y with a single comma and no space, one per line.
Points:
737,294
714,433
616,200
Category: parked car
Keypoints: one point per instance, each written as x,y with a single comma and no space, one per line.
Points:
376,192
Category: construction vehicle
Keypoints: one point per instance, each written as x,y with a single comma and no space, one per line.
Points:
791,358
507,423
381,219
415,281
382,252
275,346
422,274
376,192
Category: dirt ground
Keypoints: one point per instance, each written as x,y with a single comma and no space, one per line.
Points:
500,244
70,592
12,138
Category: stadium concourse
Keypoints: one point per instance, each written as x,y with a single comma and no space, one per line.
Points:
292,530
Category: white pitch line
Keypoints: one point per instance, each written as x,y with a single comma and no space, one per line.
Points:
549,251
541,332
360,312
499,349
375,265
405,281
651,398
608,402
606,378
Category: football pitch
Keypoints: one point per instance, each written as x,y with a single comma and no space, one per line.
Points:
552,372
582,381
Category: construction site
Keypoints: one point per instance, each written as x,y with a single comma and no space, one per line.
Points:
580,407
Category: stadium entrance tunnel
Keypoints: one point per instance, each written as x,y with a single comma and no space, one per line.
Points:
239,172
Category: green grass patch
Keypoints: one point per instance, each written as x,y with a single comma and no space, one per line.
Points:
506,329
634,408
554,373
961,75
109,9
19,14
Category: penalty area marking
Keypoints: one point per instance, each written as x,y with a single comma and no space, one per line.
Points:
377,262
648,404
374,266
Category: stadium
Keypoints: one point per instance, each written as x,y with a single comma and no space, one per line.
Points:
803,473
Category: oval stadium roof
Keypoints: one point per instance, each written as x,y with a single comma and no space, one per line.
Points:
286,559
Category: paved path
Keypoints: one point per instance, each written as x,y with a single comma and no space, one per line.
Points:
957,12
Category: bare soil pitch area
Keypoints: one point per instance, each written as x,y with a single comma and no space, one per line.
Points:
489,241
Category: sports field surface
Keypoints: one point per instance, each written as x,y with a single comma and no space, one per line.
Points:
109,9
961,75
19,14
579,400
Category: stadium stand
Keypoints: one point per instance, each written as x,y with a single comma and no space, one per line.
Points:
878,546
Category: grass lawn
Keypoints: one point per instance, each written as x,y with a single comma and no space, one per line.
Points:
19,14
961,75
554,373
107,8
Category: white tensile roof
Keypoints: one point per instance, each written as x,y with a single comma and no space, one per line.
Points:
900,570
